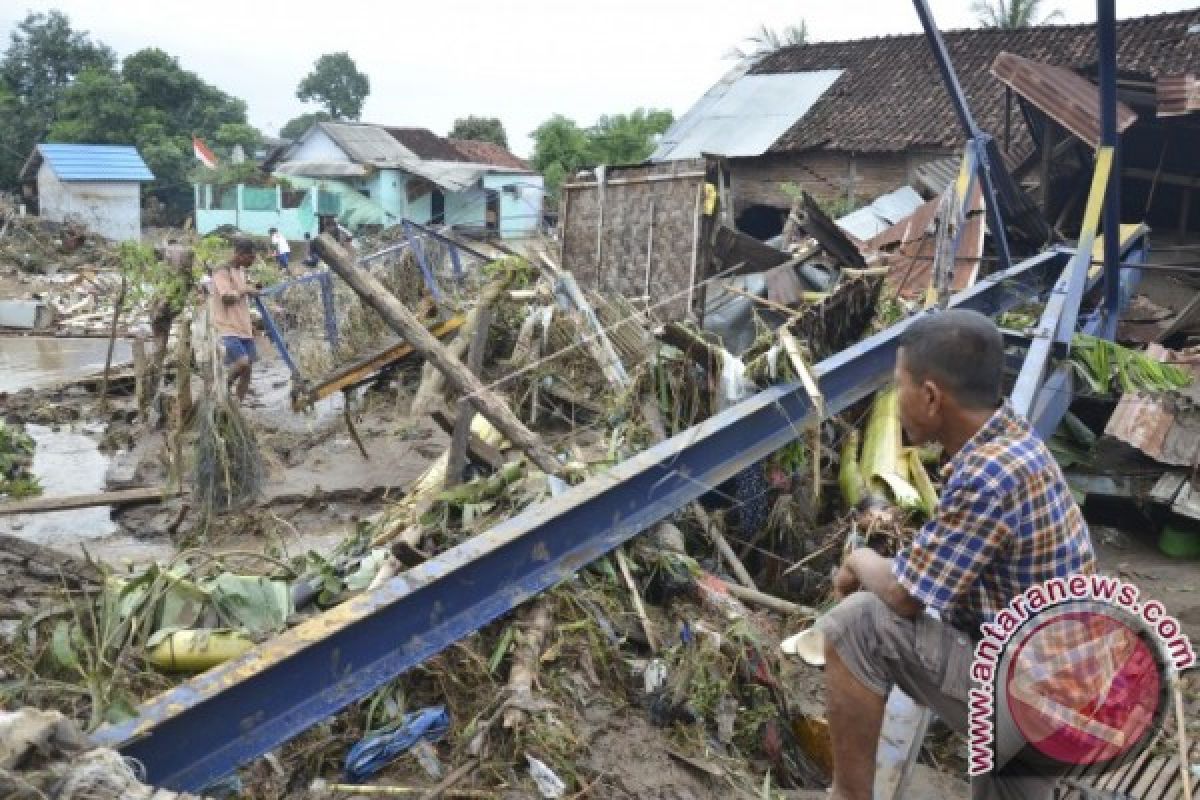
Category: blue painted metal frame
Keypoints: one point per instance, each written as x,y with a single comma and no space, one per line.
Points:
198,732
978,139
1106,34
418,249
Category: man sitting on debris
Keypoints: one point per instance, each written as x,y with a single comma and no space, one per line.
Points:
231,315
1006,521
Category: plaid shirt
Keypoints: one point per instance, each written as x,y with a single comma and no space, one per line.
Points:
1006,521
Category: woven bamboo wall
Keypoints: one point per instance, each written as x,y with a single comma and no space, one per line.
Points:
647,228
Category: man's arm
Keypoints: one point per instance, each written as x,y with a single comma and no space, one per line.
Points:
866,569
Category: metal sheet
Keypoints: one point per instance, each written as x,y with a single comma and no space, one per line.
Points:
89,162
881,213
195,733
744,114
1066,97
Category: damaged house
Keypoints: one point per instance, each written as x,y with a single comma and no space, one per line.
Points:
867,129
375,175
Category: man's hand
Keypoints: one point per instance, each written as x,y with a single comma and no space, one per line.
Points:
249,292
845,582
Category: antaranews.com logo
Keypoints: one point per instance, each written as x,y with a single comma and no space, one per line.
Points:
1079,667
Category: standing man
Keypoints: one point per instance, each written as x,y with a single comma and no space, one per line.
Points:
1006,521
231,316
280,248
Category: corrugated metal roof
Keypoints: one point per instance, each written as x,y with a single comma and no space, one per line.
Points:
743,115
1067,97
881,214
92,162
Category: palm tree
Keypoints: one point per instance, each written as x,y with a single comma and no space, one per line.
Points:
1010,14
768,40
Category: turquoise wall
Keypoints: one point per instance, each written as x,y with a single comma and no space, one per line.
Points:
520,202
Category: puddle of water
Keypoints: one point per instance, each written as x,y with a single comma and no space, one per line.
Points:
34,361
66,462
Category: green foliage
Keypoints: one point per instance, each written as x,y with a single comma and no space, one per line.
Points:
767,40
480,129
150,279
43,57
16,456
295,127
336,83
561,147
1101,365
1012,14
231,134
229,174
154,104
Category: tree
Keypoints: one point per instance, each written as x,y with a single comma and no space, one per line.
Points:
231,134
561,147
156,105
43,57
336,83
1010,14
627,138
295,127
480,129
768,40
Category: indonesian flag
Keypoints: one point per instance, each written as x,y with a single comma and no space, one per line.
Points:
203,154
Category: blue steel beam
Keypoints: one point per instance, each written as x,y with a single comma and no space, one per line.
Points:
193,735
1106,34
1060,316
978,139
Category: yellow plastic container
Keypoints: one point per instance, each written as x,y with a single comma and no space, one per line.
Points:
198,650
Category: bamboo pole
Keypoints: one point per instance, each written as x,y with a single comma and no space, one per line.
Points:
405,323
112,338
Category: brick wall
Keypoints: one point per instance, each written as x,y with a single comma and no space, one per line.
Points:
828,175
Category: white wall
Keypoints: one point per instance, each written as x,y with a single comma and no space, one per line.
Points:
109,208
317,147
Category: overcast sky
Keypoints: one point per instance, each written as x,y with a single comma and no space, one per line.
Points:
520,60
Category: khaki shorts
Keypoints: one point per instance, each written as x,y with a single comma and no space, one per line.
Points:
929,661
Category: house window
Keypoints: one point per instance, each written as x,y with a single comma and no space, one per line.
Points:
365,192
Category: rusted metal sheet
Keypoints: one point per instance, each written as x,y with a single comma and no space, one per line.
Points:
1177,94
1065,96
1165,427
908,248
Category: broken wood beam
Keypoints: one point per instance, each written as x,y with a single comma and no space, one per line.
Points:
768,601
122,497
405,323
433,381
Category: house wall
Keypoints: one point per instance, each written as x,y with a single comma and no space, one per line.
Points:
317,147
521,207
643,227
828,175
468,207
293,223
108,208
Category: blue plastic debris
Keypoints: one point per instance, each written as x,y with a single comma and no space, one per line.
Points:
378,749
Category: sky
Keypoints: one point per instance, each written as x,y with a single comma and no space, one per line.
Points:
520,60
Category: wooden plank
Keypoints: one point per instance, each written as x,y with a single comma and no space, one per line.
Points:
123,497
362,370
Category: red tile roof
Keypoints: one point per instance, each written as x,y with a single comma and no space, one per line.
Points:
891,97
425,144
487,153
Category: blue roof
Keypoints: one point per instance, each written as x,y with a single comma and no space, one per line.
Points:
95,162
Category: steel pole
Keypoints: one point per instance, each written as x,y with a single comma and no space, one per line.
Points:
1106,33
